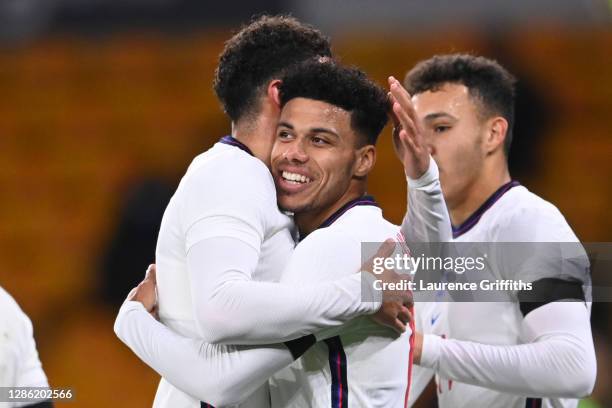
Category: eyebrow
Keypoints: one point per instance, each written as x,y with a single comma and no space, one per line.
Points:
324,130
436,115
312,130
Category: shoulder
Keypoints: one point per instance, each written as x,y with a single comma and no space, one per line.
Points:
12,318
226,180
8,305
228,170
524,216
352,239
366,224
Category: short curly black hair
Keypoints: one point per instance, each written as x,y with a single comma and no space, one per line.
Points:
487,81
260,52
345,87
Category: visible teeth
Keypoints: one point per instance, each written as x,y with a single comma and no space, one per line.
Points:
297,178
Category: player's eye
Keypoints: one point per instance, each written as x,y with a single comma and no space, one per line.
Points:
283,134
319,141
441,128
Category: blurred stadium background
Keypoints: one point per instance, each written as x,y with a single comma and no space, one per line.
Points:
104,103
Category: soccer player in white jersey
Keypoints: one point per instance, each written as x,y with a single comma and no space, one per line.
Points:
495,354
19,362
223,242
323,153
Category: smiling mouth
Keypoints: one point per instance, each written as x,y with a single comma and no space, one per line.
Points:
295,178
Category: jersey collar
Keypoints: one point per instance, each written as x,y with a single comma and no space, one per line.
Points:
475,217
232,141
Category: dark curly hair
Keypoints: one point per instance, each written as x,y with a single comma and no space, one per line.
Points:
345,87
260,52
487,81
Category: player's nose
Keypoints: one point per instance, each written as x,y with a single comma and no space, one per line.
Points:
296,153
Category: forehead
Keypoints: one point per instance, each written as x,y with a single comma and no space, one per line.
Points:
313,113
453,99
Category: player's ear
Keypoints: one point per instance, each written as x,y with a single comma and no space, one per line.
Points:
273,91
498,127
366,158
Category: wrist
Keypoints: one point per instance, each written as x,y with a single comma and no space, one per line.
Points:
418,347
430,175
430,351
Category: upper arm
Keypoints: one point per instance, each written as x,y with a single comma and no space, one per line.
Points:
224,212
213,263
566,326
8,366
538,246
8,355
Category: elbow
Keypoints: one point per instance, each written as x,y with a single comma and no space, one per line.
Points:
582,382
582,386
226,387
121,325
227,399
585,379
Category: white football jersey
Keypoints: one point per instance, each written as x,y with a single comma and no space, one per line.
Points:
511,214
19,362
367,365
216,187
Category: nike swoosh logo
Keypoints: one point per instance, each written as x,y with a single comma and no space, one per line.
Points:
434,318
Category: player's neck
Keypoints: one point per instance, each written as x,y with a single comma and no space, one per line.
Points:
483,187
257,135
309,221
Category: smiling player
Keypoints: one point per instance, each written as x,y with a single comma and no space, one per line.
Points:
223,242
322,155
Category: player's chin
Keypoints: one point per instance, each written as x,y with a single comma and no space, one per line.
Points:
293,203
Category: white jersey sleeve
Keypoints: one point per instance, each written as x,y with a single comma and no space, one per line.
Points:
546,245
223,240
20,365
427,218
556,361
421,376
222,374
219,375
8,361
233,309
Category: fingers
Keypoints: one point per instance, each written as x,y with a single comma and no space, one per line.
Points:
399,326
404,315
150,274
392,114
406,121
404,109
409,141
401,95
386,249
132,294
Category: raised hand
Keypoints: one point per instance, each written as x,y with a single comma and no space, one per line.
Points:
408,135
